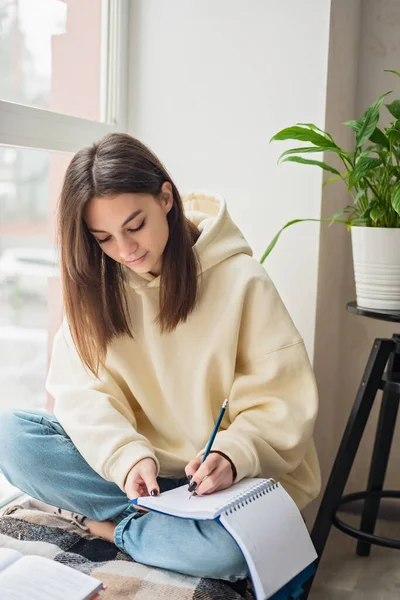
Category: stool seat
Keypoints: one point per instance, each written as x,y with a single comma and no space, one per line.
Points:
382,372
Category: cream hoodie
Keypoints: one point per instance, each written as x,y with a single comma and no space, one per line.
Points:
160,395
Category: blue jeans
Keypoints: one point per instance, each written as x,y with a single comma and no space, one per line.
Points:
38,457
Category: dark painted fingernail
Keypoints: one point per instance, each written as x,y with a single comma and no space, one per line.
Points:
154,492
192,486
189,477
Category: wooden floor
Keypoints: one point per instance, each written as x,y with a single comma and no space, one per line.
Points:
342,575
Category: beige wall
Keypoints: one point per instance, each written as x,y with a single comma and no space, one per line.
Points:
365,40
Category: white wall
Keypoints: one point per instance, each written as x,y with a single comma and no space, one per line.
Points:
210,83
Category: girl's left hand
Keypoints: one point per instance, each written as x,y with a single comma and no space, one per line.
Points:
214,474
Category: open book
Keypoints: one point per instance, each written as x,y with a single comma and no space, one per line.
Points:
262,518
39,578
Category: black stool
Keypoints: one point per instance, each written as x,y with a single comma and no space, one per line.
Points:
385,352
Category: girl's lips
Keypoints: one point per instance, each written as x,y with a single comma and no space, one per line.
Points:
138,261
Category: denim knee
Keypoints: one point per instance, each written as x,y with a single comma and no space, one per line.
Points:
228,562
13,425
197,548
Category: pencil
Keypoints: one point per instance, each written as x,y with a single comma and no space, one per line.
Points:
212,437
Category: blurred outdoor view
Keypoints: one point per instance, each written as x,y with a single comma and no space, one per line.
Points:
39,50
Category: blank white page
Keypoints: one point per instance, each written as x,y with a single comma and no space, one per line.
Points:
273,538
39,578
176,502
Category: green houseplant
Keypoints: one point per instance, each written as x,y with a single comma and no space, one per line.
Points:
371,173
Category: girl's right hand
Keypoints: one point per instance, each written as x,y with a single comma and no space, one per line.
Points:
142,479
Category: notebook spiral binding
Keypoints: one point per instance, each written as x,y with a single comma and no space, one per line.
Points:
251,495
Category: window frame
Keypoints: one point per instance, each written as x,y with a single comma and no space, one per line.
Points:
31,127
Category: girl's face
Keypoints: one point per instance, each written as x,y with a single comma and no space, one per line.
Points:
132,229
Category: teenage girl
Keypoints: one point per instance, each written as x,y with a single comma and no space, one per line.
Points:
166,315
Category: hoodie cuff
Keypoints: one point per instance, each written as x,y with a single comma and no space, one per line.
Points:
122,461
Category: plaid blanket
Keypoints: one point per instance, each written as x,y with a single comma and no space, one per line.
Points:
39,533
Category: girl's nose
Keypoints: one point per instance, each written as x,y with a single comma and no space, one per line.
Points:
127,249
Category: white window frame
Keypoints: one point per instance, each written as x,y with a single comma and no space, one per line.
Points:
36,128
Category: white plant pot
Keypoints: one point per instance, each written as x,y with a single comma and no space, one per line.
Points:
376,257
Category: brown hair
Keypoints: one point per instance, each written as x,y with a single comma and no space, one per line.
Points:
93,284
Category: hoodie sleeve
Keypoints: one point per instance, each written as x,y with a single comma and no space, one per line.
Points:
273,400
95,413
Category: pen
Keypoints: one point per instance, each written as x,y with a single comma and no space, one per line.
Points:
212,438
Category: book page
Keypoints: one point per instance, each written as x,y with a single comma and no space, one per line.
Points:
273,537
39,578
176,502
8,556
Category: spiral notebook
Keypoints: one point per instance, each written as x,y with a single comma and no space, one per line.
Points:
262,518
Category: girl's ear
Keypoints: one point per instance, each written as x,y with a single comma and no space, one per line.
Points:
166,196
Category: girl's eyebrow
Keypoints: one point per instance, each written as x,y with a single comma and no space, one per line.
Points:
130,218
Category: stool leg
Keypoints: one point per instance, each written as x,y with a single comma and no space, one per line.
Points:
360,412
380,456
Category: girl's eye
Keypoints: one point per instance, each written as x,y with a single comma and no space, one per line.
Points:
104,241
130,231
142,224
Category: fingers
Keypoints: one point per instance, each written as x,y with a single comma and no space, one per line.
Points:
150,480
142,480
210,475
135,488
218,480
192,467
207,467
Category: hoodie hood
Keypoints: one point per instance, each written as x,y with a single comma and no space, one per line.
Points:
219,237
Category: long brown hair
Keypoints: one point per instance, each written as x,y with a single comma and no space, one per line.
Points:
94,285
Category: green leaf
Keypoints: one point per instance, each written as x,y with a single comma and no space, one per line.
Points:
306,161
309,149
315,128
278,235
367,151
393,135
394,109
339,213
395,198
311,126
369,121
359,221
373,205
344,175
383,154
304,135
362,168
377,213
355,125
358,196
378,137
390,71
